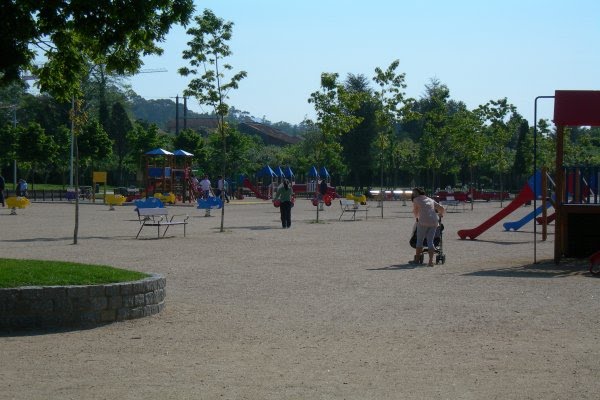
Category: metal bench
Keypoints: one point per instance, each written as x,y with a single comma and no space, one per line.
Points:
158,217
453,203
350,206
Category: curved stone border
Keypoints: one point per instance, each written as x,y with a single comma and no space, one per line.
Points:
68,306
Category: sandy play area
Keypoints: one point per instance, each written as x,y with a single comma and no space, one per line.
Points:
328,310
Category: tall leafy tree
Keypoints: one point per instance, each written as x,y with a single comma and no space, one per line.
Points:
34,146
69,33
94,144
335,107
142,138
468,141
206,54
501,120
118,126
523,165
190,140
391,107
361,136
435,134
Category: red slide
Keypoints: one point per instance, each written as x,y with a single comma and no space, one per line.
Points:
525,195
549,218
254,190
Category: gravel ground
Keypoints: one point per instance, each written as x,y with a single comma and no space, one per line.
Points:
328,310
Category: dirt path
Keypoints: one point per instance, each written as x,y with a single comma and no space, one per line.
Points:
328,310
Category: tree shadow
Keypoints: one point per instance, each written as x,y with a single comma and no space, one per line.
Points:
543,269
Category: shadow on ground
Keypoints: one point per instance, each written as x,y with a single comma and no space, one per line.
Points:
543,269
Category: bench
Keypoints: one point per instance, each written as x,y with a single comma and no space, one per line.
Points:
158,217
350,206
452,202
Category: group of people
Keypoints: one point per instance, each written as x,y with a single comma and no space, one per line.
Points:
426,210
205,187
21,189
427,213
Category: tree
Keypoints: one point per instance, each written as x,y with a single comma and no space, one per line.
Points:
360,137
391,103
70,33
467,141
190,140
34,146
207,51
336,108
142,138
501,120
435,134
118,127
93,143
523,164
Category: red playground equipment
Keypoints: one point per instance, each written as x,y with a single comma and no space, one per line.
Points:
525,195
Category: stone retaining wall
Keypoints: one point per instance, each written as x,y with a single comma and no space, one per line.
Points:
68,306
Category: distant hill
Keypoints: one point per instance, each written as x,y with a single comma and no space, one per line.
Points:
162,113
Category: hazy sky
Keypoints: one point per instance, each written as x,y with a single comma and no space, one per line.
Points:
482,50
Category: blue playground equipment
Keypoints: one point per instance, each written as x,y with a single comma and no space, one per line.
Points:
516,225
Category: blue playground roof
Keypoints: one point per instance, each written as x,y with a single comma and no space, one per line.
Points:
159,152
182,153
266,171
289,173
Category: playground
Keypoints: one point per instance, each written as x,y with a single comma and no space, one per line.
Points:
322,310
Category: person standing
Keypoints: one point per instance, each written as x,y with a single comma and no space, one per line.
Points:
426,211
2,184
205,186
21,188
222,189
284,194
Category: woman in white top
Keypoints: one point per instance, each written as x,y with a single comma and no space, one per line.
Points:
426,212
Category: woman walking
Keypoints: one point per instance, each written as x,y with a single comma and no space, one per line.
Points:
284,194
426,212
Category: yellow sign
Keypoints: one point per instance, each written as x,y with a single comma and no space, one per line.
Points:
99,177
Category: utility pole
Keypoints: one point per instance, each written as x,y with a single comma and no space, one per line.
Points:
184,112
176,115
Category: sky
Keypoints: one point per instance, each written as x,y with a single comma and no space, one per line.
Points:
481,50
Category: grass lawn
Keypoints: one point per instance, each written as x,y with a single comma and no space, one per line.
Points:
16,273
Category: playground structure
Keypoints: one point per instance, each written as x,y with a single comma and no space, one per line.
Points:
546,203
266,182
528,192
167,175
577,220
577,199
516,225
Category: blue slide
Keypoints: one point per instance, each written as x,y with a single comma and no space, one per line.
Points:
516,225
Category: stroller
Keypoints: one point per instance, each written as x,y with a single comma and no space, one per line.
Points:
438,243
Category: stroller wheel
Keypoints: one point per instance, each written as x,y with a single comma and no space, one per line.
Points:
443,258
421,258
438,258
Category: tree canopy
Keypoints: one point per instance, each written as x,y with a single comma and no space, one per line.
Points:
69,34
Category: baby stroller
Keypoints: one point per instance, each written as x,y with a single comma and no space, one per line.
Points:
438,244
